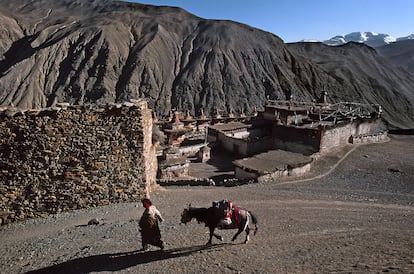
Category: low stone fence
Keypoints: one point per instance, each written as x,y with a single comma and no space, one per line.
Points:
369,138
70,157
290,171
186,182
206,182
191,150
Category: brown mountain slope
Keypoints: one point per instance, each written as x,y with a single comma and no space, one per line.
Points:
400,53
369,78
86,51
93,51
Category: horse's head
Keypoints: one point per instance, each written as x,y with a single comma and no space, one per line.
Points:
185,216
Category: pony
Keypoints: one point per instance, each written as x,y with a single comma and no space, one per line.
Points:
211,217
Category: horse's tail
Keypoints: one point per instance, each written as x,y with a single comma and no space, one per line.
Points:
255,222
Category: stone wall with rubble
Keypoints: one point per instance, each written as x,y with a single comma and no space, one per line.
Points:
71,157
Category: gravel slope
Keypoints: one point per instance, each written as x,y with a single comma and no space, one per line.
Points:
359,218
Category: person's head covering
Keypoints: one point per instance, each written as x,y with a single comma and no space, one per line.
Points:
146,202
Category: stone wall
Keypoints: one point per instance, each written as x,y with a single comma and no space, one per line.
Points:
369,138
296,139
71,157
334,137
244,147
290,171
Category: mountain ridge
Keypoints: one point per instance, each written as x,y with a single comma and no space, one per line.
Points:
363,69
396,50
373,39
89,51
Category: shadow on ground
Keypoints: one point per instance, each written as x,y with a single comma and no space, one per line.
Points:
123,260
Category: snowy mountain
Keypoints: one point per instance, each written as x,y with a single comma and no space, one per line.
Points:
409,37
372,39
399,51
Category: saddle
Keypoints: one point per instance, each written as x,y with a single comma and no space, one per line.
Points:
235,220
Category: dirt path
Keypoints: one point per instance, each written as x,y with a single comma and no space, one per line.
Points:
359,218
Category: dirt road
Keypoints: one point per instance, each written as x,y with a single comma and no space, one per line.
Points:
359,218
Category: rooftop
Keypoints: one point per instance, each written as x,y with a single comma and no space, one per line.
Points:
273,160
230,126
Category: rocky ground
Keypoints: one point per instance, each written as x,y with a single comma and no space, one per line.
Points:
356,218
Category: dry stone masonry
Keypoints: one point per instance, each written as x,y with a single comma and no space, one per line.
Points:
71,157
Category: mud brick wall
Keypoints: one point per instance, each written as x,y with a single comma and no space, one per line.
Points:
71,157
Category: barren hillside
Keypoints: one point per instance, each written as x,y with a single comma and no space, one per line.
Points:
400,53
90,51
368,76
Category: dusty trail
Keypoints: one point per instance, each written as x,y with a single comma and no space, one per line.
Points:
359,218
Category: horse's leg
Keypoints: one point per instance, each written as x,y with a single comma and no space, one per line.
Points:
218,236
237,234
211,235
247,235
244,227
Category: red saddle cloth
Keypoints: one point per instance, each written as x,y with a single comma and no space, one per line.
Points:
236,216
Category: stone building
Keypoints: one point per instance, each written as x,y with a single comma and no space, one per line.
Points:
294,129
271,165
289,128
244,139
285,115
203,154
173,164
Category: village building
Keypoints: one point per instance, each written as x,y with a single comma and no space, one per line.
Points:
286,136
271,165
203,154
173,164
286,131
244,139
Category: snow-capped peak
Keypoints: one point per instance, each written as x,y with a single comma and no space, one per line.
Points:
309,41
372,39
409,37
364,36
389,39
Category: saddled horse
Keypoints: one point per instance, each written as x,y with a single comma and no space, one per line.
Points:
211,217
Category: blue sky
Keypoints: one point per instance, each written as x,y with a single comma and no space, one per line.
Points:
294,20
